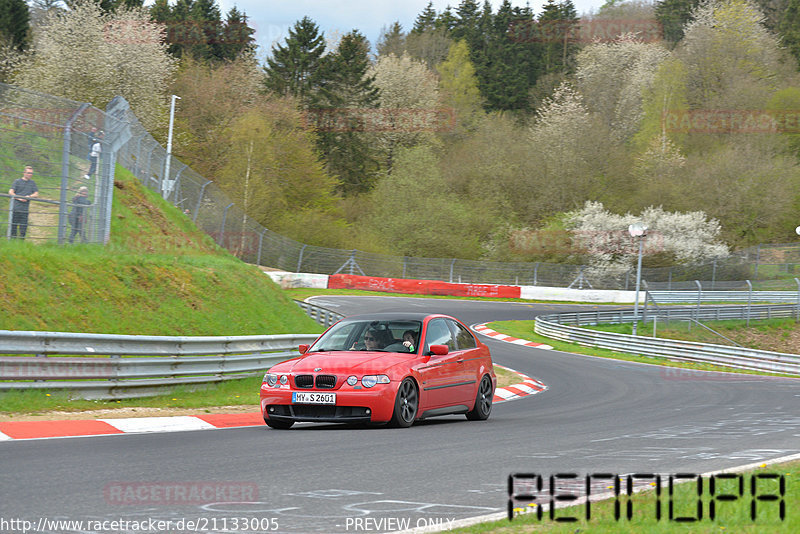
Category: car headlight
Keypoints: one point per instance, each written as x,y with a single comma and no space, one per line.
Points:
370,380
352,380
284,380
271,379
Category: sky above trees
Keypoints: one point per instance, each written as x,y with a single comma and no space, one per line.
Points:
273,18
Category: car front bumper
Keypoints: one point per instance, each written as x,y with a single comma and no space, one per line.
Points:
374,405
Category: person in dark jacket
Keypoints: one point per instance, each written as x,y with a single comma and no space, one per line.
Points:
77,215
22,187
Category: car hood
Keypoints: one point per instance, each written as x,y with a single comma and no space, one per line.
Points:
338,362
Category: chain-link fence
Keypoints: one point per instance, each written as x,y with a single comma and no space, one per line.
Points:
53,136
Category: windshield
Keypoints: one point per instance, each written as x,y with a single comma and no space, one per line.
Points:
382,336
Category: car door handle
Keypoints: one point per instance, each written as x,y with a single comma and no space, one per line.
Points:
460,360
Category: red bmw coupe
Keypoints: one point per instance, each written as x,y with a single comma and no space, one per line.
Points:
383,368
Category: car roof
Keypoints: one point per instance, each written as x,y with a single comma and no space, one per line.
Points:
388,316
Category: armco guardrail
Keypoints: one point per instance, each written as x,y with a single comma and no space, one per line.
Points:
560,326
680,297
104,372
323,316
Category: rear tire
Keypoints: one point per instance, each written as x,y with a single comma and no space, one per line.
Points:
406,404
279,425
483,401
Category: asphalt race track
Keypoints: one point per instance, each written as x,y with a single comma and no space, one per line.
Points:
597,416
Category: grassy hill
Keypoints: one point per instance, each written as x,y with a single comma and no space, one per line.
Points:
159,275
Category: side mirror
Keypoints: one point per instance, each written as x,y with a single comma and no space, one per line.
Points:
303,348
440,350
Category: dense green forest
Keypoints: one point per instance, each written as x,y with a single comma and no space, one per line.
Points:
474,129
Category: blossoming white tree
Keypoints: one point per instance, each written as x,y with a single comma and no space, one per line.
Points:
87,55
689,237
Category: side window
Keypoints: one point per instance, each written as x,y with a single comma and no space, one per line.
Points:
464,338
439,334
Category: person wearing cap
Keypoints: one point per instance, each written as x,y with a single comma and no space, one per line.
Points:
77,215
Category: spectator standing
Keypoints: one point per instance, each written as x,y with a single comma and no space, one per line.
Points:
22,187
94,156
92,140
77,215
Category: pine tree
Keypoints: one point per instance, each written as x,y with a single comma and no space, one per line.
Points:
426,21
446,20
237,36
392,40
790,28
294,68
205,40
15,23
346,85
108,6
673,15
556,24
513,63
196,28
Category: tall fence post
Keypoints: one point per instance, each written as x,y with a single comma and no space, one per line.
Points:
199,201
62,210
699,297
452,264
750,300
797,311
758,258
713,273
300,258
260,246
222,228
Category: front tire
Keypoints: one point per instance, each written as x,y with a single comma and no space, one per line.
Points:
483,401
406,404
279,425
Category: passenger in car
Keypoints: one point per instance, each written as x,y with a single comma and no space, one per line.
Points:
409,340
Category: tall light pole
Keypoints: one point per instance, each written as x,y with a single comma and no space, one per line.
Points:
639,231
166,183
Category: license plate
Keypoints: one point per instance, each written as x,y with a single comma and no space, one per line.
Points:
301,397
